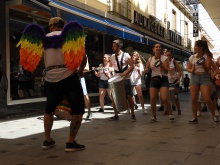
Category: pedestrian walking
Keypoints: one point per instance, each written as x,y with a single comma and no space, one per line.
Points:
62,77
159,65
199,66
121,63
104,75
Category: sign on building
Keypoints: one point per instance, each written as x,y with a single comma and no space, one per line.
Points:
195,21
191,2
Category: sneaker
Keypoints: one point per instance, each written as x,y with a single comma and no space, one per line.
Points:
133,118
153,119
194,120
198,113
173,107
179,112
89,116
216,112
204,109
101,110
74,147
136,106
144,111
116,117
171,117
160,108
216,121
48,144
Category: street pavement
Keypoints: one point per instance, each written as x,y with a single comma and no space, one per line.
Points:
121,142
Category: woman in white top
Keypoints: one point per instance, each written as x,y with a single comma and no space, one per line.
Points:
199,65
159,65
174,76
104,75
136,78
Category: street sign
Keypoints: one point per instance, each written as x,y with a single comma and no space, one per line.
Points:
191,2
195,21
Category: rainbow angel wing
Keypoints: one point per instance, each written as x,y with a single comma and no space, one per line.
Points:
73,47
31,46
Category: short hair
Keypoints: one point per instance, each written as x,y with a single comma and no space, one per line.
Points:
118,42
56,21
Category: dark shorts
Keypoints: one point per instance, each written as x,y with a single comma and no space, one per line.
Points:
163,83
128,87
176,86
69,87
103,84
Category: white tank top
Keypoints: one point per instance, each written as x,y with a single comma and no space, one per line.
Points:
102,74
193,60
157,71
172,73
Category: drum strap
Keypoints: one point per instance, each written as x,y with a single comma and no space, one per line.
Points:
120,70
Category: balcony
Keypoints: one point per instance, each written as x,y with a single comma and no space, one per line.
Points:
187,43
120,8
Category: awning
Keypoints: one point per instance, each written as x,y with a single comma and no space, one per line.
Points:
186,54
93,21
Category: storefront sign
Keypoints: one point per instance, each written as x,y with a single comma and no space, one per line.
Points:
148,24
155,27
195,21
191,2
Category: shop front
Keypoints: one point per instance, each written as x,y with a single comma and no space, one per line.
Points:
26,87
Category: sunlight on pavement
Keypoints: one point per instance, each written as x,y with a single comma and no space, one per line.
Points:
33,125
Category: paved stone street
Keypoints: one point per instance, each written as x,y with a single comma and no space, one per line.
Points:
120,142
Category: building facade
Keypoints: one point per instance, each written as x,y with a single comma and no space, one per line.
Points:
139,24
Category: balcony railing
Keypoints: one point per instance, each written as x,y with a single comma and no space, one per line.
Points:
187,43
120,8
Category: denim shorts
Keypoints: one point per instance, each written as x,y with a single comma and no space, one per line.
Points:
200,79
163,83
103,84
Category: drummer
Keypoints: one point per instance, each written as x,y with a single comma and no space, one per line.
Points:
121,63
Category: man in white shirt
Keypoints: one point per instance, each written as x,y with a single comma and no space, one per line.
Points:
122,64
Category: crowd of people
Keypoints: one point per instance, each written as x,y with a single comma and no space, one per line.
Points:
165,77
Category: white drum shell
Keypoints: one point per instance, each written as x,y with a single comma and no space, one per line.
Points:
118,93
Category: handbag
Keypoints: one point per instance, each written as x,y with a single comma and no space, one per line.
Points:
63,110
156,80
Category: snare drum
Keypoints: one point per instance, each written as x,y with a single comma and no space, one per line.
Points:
118,93
63,110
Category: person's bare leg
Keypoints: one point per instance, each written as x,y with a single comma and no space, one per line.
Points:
153,100
140,96
87,102
164,99
48,123
114,107
131,103
75,124
194,91
102,93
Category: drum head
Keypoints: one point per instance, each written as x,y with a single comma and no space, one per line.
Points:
115,79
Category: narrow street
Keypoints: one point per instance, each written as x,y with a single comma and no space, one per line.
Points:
115,142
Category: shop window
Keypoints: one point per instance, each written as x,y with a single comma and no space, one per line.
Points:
24,84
